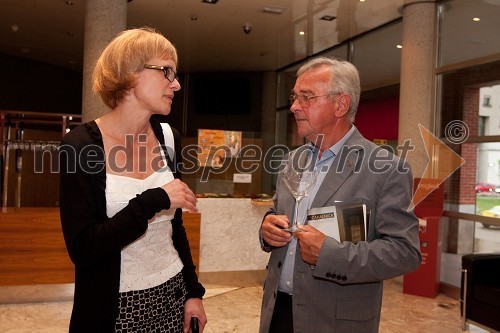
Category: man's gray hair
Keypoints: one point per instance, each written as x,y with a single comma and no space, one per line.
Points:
344,79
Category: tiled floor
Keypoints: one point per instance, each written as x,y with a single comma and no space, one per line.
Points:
232,304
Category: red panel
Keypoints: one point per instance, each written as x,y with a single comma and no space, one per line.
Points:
378,119
432,204
425,280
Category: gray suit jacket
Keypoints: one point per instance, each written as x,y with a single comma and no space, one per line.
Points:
344,292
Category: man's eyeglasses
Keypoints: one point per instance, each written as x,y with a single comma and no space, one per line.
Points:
167,71
305,100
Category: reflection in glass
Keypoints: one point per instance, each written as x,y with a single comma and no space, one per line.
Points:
463,38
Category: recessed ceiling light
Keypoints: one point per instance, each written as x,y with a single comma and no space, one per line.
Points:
213,2
273,9
361,0
327,17
476,19
302,33
399,46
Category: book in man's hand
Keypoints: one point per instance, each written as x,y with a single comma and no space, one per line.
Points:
344,221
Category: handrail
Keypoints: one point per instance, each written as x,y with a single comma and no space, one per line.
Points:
34,113
13,124
473,217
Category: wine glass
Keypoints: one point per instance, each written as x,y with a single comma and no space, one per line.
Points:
299,175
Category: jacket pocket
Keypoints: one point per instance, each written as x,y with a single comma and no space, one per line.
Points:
360,309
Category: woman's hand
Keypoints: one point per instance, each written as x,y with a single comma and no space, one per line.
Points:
180,196
194,308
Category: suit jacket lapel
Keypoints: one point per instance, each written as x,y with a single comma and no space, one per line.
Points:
345,164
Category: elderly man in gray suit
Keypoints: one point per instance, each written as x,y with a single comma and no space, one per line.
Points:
315,282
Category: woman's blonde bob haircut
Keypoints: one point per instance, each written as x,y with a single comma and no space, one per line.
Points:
115,72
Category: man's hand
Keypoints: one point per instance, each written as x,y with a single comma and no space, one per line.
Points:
310,242
272,230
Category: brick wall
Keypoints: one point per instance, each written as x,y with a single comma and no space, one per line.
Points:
460,101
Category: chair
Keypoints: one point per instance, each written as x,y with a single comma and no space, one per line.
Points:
480,290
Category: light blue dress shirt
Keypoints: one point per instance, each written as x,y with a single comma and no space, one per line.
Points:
322,167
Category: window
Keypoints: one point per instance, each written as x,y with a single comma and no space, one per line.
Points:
481,125
487,101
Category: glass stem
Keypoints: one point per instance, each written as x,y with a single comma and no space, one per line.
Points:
296,216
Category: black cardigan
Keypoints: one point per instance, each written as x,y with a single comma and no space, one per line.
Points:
94,241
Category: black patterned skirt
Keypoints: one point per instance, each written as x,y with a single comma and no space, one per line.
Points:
159,309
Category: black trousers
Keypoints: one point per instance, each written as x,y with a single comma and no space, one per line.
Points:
282,320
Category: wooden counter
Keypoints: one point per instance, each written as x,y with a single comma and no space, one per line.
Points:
32,249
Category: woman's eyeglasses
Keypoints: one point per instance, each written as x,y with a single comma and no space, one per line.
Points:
167,71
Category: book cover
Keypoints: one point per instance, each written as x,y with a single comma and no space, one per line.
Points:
344,222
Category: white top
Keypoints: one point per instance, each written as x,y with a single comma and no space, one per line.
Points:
152,259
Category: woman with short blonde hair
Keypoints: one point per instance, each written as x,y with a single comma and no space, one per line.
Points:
121,209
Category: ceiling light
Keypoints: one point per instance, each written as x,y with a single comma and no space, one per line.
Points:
273,9
302,33
399,46
327,18
213,2
476,19
361,0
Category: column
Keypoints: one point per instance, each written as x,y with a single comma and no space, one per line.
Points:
103,20
268,123
417,94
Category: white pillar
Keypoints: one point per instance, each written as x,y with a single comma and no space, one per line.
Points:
417,94
103,20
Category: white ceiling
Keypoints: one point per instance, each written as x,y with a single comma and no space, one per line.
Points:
208,37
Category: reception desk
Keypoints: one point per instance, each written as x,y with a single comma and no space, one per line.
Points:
229,238
32,248
223,237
